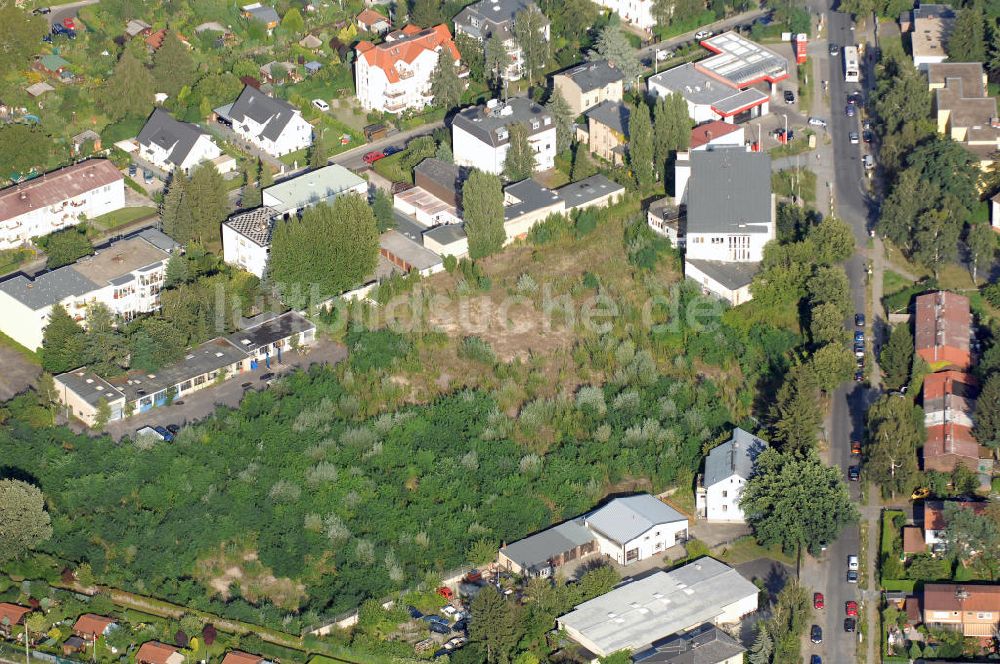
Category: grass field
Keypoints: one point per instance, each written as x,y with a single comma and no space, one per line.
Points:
893,282
746,549
12,259
125,215
790,182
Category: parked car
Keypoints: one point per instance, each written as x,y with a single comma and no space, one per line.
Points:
834,50
920,493
69,23
852,576
859,337
461,626
445,592
373,156
850,624
855,447
817,600
702,34
850,111
815,659
851,609
869,162
132,170
414,612
859,320
854,473
449,610
166,435
321,105
39,11
173,428
853,562
147,176
816,634
789,97
859,376
246,386
664,55
854,138
391,150
58,29
867,136
817,122
439,628
267,376
859,350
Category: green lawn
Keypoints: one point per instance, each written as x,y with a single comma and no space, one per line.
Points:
893,282
790,182
27,354
11,259
298,157
746,549
391,167
805,88
125,215
797,146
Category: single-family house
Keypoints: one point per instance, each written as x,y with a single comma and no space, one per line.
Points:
725,86
706,644
728,468
279,73
371,21
964,109
935,522
587,85
154,652
137,28
90,627
240,657
541,554
395,76
168,143
972,609
730,217
273,125
638,614
481,134
634,528
59,199
943,330
262,14
607,131
929,26
487,18
11,615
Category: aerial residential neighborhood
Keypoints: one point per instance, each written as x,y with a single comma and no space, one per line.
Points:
499,332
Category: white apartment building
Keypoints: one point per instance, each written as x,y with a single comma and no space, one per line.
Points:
634,528
271,124
486,18
730,217
127,276
728,467
246,237
395,76
481,134
58,200
168,143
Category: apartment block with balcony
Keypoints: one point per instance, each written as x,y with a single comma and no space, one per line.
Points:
58,200
481,134
395,76
487,18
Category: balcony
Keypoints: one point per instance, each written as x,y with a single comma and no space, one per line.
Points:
396,106
394,94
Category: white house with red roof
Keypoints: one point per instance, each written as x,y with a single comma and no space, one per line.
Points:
395,76
710,135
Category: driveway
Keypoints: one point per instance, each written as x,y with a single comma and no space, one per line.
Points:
18,373
201,404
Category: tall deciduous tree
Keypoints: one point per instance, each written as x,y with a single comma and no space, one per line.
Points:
206,194
613,46
974,537
62,342
333,246
20,34
482,204
796,501
640,145
936,239
519,162
832,364
796,414
470,51
105,350
129,91
426,13
981,241
833,240
967,40
24,523
67,246
494,625
495,61
894,433
529,33
175,210
987,418
900,208
826,325
897,358
562,115
173,67
446,86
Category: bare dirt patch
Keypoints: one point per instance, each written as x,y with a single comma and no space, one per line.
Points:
230,564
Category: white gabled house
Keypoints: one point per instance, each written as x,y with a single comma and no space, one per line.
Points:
634,528
271,124
168,143
728,467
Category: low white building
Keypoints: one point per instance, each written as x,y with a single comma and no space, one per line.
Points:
395,76
481,134
58,200
635,12
728,467
634,528
246,236
730,217
271,124
127,276
488,18
168,143
995,212
636,614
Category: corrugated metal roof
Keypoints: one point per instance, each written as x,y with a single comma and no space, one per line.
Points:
539,548
624,519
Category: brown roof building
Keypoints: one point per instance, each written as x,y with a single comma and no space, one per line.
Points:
972,609
913,540
943,330
949,403
240,657
964,109
154,652
11,614
90,626
56,187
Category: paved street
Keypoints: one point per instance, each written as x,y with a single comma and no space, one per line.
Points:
354,158
646,53
69,10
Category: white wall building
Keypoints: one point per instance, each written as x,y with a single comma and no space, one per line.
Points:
730,217
486,18
636,12
246,236
639,613
127,276
481,134
168,143
395,76
273,125
727,469
58,200
636,527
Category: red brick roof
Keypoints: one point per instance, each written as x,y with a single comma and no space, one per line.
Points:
912,608
913,540
239,657
407,49
949,440
943,329
154,652
706,133
56,187
934,511
13,612
949,597
89,625
370,17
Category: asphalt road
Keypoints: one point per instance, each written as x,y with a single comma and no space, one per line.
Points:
646,53
354,158
850,402
68,10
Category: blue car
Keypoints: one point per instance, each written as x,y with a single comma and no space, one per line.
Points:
859,337
167,436
392,149
815,659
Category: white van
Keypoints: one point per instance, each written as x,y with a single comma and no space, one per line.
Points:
852,563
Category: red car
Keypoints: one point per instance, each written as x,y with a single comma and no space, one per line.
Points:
817,600
373,156
855,447
852,609
69,23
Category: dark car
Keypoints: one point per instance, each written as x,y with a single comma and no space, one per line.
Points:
439,628
40,11
834,50
47,38
267,376
856,447
789,97
173,428
179,402
246,386
414,612
850,111
815,659
391,150
816,634
860,361
850,624
854,473
867,136
859,337
167,436
859,376
58,29
859,320
461,626
852,576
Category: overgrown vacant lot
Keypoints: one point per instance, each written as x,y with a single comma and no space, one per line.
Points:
351,482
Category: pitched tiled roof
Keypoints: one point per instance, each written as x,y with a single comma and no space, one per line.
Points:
154,652
90,625
239,657
406,49
13,612
934,511
706,133
370,17
56,187
961,597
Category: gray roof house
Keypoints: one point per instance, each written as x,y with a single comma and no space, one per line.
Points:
262,109
492,125
541,553
706,644
165,136
728,467
614,115
625,519
485,18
